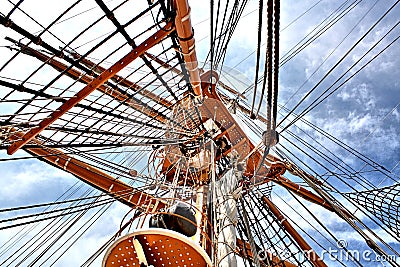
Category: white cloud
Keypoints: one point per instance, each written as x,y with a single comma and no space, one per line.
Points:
396,114
25,179
362,94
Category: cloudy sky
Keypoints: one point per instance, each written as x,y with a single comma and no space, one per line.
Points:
364,113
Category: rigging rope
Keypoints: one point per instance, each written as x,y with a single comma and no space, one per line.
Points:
260,13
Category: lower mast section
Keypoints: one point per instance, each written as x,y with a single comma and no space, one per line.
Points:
227,191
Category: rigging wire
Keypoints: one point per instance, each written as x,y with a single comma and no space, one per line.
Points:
321,98
88,225
331,161
58,237
70,211
330,24
95,255
339,62
345,182
104,201
25,230
61,54
43,232
331,53
316,230
342,145
323,27
16,6
227,34
297,18
220,36
48,204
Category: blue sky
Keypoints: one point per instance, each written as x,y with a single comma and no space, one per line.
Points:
364,113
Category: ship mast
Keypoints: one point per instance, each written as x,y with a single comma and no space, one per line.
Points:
203,194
